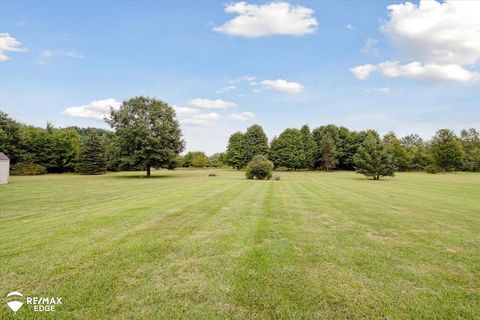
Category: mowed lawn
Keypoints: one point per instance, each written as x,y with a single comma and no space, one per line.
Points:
184,245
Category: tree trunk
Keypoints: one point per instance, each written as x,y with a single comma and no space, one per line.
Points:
148,171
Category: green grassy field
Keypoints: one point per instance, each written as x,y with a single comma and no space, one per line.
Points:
185,245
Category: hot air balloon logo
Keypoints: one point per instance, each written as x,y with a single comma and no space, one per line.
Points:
15,300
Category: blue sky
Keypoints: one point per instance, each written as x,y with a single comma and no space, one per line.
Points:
227,65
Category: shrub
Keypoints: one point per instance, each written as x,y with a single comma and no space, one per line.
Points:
276,177
27,169
259,168
431,168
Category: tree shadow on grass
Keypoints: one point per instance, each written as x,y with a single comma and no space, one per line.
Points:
143,176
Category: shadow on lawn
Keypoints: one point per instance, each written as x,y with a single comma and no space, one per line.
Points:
143,176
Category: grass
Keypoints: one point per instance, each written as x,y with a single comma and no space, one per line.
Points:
185,245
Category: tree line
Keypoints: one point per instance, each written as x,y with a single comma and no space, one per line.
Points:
146,134
333,147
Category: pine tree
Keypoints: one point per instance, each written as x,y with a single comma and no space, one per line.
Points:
373,160
328,152
91,159
309,147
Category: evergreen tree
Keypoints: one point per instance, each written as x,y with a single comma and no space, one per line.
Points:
447,151
373,160
328,152
91,159
236,150
287,150
309,147
256,143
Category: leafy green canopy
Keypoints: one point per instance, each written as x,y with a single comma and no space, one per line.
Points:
287,150
447,150
256,142
236,150
147,132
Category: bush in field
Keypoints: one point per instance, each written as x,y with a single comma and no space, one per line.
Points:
431,168
27,169
259,168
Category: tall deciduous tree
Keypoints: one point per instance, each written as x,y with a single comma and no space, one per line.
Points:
309,147
10,137
91,159
470,140
394,146
148,133
256,143
446,150
373,160
287,150
328,152
236,150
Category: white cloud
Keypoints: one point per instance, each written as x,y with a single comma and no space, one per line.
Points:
211,104
275,18
94,110
244,116
369,47
362,72
203,119
48,55
282,86
434,32
418,71
180,111
8,44
226,89
350,26
382,90
439,38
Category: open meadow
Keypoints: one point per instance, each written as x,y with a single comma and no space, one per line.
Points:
185,245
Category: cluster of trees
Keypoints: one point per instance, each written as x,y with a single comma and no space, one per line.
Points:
146,135
198,159
333,147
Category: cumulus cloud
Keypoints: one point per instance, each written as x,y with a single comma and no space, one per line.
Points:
275,18
8,44
362,72
244,116
282,86
418,71
203,119
180,111
441,40
211,104
94,110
